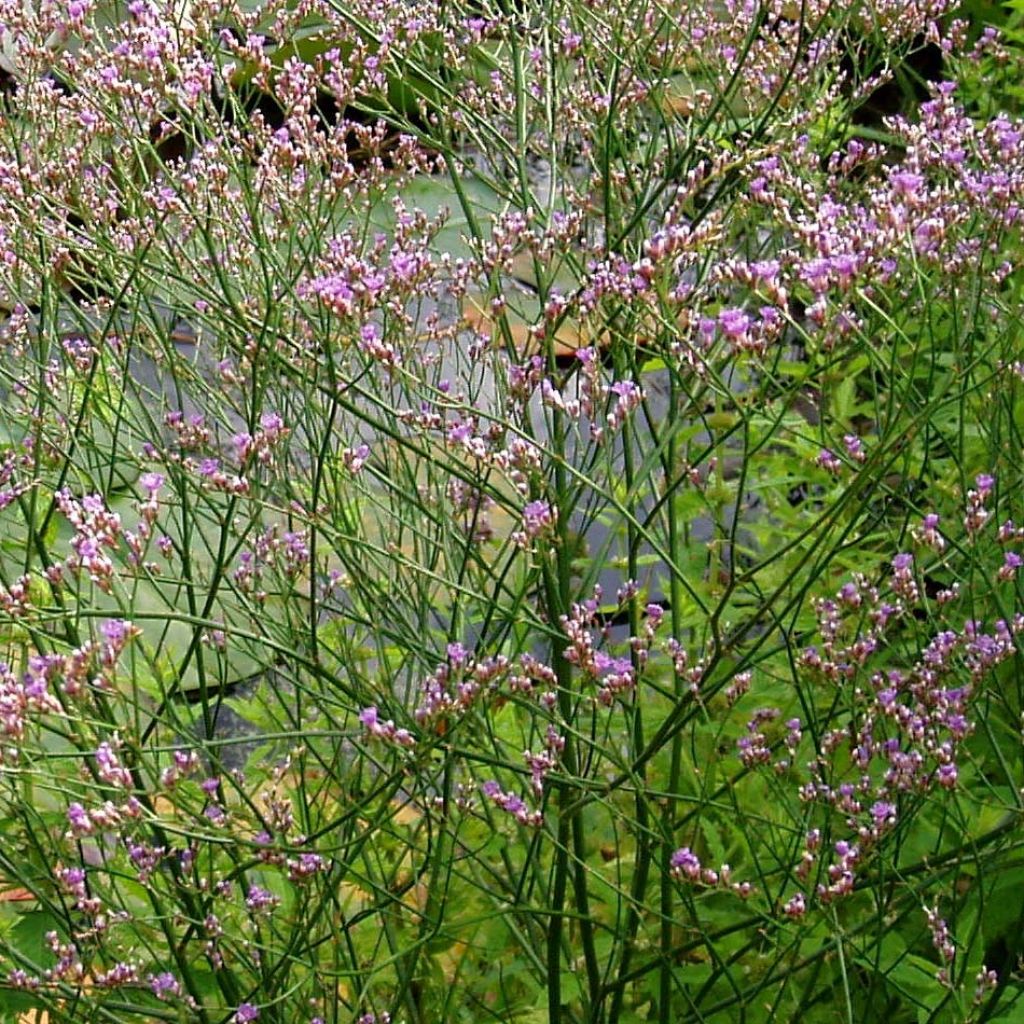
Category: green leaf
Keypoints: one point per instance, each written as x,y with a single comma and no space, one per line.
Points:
28,937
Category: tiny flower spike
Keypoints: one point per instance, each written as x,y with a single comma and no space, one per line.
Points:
684,864
829,460
1011,563
96,529
386,730
796,906
164,985
539,519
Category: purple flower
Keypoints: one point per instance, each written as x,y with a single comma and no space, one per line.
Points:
403,265
457,653
538,517
246,1013
355,458
829,460
271,423
78,818
1011,563
243,445
854,447
259,898
902,562
735,323
151,483
164,985
796,906
73,877
109,767
685,864
883,812
906,183
308,864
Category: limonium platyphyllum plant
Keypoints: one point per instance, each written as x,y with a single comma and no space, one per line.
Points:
510,511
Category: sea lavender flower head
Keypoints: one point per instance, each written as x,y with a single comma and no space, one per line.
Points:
164,985
828,460
151,484
539,518
684,863
854,447
1011,563
883,813
906,183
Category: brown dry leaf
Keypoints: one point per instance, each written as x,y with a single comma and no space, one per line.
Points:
165,807
568,339
406,814
678,106
451,958
16,895
353,898
415,898
43,1016
681,96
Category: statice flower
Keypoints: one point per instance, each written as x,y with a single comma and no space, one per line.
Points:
79,820
977,515
355,458
384,730
151,484
96,531
109,767
628,397
1011,563
828,460
942,941
305,866
854,448
124,973
512,805
685,864
539,519
903,582
165,985
928,533
260,900
796,906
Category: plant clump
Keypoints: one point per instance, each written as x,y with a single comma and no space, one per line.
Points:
510,511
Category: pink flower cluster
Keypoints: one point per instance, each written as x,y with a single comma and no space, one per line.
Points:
97,531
